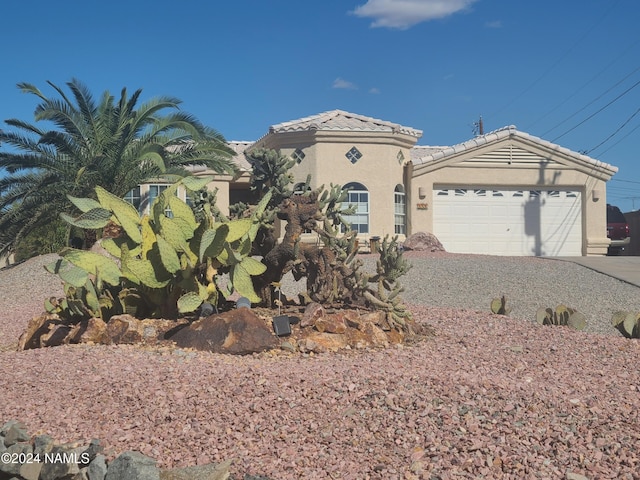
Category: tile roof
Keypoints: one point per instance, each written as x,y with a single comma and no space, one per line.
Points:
240,160
339,120
500,134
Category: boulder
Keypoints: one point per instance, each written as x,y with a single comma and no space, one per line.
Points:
125,329
14,432
133,466
312,312
37,327
92,330
201,472
333,323
63,464
238,332
55,336
423,242
320,342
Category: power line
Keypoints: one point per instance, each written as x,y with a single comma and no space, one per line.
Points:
591,102
621,139
582,88
558,61
598,111
614,133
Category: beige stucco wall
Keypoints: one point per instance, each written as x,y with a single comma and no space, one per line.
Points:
478,170
379,169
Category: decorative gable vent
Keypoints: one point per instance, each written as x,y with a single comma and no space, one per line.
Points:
298,155
353,155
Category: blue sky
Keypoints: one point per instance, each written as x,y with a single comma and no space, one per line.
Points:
567,71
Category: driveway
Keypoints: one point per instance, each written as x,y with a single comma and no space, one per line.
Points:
623,268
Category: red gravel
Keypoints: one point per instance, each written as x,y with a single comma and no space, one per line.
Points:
487,397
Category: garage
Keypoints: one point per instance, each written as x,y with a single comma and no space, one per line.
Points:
499,221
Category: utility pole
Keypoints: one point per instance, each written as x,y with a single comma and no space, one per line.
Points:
478,127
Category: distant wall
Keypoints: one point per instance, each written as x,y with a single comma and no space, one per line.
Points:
633,219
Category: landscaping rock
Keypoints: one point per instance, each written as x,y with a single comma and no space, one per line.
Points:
312,312
97,468
92,330
65,463
200,472
125,329
239,332
422,241
37,327
133,466
331,324
55,336
14,432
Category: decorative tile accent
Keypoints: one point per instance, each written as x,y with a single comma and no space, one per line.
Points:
353,155
298,155
400,157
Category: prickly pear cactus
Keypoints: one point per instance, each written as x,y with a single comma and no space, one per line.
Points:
628,323
561,315
499,306
164,264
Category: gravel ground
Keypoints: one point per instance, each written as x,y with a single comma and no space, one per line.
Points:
486,397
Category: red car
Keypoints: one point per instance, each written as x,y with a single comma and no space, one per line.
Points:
617,230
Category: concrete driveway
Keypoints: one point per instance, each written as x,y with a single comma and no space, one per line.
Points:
623,268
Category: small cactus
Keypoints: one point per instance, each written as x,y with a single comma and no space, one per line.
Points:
628,323
562,315
499,306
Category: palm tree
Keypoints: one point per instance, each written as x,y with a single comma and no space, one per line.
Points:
114,144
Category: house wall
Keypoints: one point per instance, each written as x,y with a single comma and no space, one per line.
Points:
478,171
379,169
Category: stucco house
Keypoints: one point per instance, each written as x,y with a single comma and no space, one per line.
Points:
502,193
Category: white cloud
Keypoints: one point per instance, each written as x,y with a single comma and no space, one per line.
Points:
374,90
402,14
493,24
344,84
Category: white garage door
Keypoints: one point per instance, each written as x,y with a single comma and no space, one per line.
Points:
508,222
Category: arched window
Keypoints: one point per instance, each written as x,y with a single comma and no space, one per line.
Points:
358,196
400,210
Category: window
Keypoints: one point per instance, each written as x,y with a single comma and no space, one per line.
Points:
133,197
353,155
400,211
358,196
154,192
298,155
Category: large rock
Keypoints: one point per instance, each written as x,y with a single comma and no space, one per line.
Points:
92,330
133,466
238,332
37,327
312,312
125,329
423,242
55,336
201,472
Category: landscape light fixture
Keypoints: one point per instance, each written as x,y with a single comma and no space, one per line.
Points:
281,323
